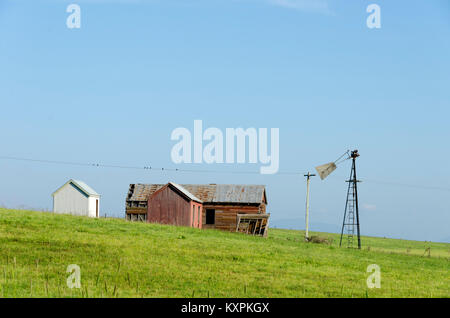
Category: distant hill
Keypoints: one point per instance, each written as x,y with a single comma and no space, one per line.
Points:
299,223
118,258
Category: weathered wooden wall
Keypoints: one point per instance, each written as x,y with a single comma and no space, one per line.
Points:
226,215
168,207
134,213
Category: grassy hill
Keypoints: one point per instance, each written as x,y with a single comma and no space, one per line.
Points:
122,259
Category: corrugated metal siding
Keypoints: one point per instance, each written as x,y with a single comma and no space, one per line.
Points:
70,200
238,193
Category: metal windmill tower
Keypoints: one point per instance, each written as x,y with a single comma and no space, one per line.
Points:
351,213
350,225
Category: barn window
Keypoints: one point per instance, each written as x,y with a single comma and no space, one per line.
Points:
210,216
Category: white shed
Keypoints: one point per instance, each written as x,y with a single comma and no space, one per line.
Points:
76,198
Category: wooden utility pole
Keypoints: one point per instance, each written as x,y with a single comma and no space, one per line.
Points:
308,176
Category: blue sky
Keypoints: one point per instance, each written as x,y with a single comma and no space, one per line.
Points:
113,91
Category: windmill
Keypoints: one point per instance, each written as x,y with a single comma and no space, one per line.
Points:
350,224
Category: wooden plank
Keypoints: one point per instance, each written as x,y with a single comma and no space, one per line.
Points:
265,229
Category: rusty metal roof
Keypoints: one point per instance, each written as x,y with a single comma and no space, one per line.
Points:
186,192
208,193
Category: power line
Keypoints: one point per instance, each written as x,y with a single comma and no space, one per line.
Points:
100,165
393,183
431,187
162,169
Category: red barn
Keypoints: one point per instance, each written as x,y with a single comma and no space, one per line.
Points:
228,207
173,204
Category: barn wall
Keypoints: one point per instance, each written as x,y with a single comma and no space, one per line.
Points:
69,200
136,210
226,215
262,208
168,207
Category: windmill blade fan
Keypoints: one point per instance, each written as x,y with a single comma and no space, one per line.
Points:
325,170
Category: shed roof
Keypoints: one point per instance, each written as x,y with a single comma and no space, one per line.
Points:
185,192
80,185
209,193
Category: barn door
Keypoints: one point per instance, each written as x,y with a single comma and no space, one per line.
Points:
96,207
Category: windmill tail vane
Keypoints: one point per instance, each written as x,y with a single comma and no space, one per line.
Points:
326,169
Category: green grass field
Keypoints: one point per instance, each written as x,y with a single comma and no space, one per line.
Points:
122,259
